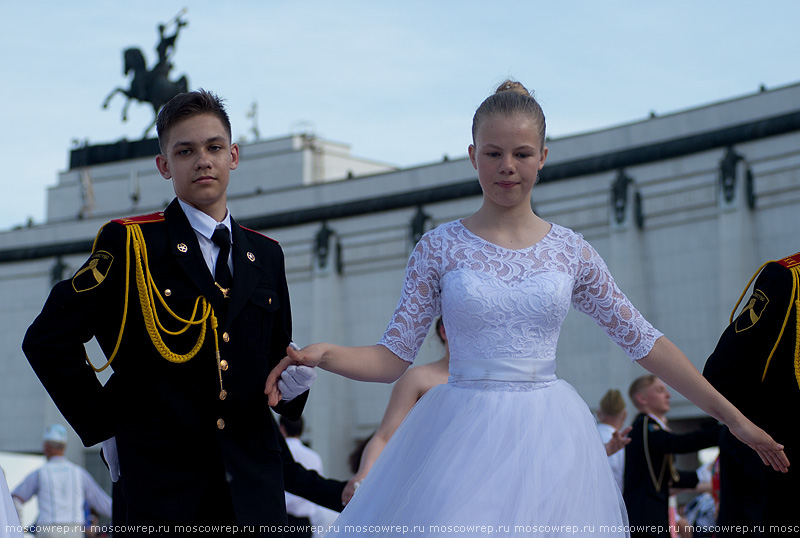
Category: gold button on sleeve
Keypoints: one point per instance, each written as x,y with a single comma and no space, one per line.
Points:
220,424
226,337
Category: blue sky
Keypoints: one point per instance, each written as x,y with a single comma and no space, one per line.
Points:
397,80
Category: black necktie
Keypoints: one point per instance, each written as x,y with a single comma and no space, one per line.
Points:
222,274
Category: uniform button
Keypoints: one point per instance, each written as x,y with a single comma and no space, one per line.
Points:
222,395
269,301
167,292
226,337
220,424
223,365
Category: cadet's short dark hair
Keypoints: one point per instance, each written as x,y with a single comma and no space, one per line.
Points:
185,105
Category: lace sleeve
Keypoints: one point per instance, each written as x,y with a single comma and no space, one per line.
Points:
597,295
419,302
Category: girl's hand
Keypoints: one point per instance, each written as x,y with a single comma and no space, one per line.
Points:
770,451
618,441
350,489
308,356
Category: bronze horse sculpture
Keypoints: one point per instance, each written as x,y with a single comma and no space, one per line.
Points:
151,86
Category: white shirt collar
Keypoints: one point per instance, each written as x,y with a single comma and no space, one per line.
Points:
658,421
201,222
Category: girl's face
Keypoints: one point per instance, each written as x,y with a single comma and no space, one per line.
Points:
508,155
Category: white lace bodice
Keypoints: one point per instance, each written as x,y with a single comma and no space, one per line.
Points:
509,304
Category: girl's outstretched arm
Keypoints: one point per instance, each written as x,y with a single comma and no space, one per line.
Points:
365,363
669,363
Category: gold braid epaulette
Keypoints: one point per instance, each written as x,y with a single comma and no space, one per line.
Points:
792,263
147,294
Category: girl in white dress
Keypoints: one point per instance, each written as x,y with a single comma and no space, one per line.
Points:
504,447
9,520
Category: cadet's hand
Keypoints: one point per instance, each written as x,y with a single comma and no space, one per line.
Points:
618,441
295,380
770,451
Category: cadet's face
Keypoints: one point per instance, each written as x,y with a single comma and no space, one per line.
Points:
656,396
199,158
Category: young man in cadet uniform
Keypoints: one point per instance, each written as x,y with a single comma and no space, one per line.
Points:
756,365
649,468
192,312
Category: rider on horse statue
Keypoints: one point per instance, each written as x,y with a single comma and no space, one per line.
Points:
152,86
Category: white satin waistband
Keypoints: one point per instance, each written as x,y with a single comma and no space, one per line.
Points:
505,369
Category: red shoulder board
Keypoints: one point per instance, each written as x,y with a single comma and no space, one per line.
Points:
790,261
141,219
259,233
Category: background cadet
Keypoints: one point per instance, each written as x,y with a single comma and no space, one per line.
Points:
649,466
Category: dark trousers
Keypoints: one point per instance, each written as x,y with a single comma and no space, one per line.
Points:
216,509
299,527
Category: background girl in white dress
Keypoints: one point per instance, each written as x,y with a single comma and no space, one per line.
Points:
505,446
9,520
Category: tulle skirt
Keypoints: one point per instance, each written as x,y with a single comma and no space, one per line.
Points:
476,458
9,522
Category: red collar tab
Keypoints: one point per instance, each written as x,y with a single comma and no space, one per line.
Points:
141,219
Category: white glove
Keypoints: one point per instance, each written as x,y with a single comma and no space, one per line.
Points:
295,380
112,460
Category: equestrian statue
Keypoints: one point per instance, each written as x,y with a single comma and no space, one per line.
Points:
152,86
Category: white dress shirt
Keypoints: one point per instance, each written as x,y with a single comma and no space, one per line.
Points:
62,488
204,226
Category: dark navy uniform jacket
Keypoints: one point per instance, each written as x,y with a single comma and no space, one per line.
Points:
175,433
766,390
649,472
